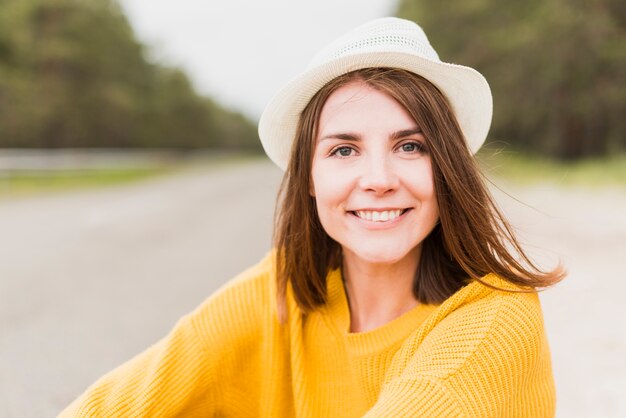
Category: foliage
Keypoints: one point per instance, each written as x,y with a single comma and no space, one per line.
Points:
525,169
73,75
556,67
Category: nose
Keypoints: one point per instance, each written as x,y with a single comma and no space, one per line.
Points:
378,175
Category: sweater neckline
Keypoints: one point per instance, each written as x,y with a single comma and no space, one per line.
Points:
378,338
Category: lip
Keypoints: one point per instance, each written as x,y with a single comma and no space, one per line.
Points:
379,209
370,224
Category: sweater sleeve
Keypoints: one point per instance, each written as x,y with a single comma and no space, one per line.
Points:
188,372
489,359
164,380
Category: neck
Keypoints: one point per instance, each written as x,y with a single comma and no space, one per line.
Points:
378,293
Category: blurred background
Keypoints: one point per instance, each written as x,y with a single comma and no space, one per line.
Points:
133,184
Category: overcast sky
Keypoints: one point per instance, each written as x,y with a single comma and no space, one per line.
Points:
242,51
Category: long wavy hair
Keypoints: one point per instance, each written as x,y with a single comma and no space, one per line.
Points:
472,239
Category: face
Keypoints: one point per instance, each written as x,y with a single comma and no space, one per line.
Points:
371,177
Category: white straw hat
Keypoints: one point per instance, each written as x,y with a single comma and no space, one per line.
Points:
386,42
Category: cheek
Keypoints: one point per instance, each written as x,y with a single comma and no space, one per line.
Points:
423,188
431,197
430,200
331,192
324,184
325,191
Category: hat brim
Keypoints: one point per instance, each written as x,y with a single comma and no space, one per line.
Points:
465,88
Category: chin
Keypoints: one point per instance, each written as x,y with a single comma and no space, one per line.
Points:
379,255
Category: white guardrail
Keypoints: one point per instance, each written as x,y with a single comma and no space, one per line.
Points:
28,160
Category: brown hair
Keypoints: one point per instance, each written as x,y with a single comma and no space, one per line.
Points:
471,240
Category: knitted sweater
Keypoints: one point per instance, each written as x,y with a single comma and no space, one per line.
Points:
481,353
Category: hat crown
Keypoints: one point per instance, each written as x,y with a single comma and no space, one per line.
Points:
387,34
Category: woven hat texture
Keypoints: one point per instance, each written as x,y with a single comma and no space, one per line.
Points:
386,42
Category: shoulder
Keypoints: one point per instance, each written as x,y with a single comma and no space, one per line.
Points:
238,309
487,326
495,303
483,352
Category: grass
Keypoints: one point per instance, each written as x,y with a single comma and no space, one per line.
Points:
26,183
526,170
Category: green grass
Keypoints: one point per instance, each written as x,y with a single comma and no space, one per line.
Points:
526,170
37,182
27,183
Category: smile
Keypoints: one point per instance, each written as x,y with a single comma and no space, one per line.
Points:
379,216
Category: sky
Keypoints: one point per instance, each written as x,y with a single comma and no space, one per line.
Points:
240,52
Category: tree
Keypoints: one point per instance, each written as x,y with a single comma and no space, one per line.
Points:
73,75
556,67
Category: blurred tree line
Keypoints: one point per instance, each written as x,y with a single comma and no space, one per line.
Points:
72,74
556,67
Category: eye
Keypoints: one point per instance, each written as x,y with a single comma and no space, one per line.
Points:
342,152
413,147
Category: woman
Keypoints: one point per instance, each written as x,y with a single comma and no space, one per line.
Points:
396,287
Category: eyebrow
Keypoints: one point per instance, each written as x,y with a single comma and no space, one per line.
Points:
406,132
355,137
342,136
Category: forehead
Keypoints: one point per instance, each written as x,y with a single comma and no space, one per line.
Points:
359,106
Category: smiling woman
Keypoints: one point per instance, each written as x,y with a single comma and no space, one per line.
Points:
396,287
370,167
374,193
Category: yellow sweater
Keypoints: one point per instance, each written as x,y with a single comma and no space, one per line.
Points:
482,353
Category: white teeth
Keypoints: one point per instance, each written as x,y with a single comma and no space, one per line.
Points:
383,216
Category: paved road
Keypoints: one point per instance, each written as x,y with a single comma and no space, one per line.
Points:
89,279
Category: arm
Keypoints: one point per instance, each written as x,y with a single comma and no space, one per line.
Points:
161,381
488,359
193,369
